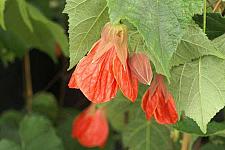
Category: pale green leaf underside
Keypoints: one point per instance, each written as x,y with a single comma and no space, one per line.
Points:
199,90
193,45
86,19
161,23
141,134
2,8
219,42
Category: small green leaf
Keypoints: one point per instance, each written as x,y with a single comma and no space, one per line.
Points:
45,104
198,89
8,145
9,125
189,126
2,8
37,133
193,45
161,23
86,19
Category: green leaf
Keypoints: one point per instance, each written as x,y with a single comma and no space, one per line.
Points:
2,8
43,37
37,133
219,42
193,45
161,23
8,145
210,146
141,134
215,23
45,104
56,30
64,129
189,126
198,89
124,109
9,125
23,11
86,19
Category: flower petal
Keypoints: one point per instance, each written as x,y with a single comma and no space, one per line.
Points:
95,78
127,82
166,112
149,103
141,67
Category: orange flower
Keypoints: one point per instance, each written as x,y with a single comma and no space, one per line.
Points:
159,102
91,128
99,74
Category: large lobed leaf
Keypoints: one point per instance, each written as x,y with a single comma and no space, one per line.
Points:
86,19
199,90
161,23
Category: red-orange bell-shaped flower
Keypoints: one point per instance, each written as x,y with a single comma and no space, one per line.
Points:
99,74
91,128
159,102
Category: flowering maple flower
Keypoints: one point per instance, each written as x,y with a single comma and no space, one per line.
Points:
141,67
105,68
91,128
159,102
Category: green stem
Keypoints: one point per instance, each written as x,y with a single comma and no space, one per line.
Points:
28,82
204,16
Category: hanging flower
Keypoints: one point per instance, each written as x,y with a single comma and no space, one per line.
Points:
141,67
159,102
99,74
91,128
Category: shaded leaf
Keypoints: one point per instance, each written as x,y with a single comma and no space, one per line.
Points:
141,134
37,133
45,104
189,126
8,145
215,24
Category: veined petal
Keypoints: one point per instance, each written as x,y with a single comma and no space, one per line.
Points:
127,82
95,78
149,103
141,67
73,83
166,112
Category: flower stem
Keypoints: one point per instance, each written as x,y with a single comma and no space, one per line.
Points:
186,141
204,15
28,82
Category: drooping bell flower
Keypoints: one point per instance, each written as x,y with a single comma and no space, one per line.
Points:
158,102
141,67
105,68
91,128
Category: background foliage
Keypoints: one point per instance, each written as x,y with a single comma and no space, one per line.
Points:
170,32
